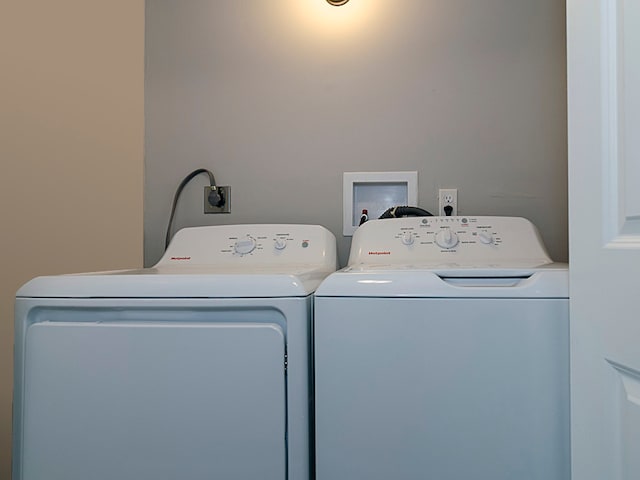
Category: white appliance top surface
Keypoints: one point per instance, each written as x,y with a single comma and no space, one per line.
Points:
230,261
448,257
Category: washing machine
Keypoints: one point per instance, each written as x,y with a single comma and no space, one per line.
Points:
197,368
442,352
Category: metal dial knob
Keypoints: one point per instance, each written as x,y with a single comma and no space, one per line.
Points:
445,238
407,238
280,243
245,246
485,237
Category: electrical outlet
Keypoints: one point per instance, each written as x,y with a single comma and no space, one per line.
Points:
225,202
448,197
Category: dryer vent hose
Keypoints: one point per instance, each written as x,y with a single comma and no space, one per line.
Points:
397,212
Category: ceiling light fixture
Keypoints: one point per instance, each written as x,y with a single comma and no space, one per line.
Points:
337,3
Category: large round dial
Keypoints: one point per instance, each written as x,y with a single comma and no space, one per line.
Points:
245,245
445,238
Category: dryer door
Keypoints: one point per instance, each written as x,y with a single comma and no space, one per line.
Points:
145,400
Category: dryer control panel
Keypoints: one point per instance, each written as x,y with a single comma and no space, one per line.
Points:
252,245
437,240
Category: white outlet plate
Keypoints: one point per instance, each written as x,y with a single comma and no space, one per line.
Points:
448,197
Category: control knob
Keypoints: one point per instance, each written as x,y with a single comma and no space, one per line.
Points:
245,246
407,238
485,237
445,238
280,243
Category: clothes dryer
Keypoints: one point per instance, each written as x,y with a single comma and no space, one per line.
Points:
197,368
441,352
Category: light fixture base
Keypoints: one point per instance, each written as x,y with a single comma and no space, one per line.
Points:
337,3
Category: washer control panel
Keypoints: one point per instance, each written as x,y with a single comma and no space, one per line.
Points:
252,245
449,232
435,239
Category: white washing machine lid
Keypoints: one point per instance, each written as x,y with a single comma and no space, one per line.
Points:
547,281
227,261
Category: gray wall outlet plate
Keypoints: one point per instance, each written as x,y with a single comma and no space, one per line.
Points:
226,194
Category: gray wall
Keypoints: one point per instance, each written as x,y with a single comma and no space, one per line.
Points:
280,98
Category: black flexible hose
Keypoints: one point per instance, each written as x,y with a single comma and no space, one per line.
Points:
405,211
183,183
